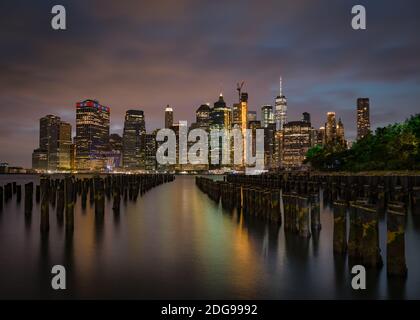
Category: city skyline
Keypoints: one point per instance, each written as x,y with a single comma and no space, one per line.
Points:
186,54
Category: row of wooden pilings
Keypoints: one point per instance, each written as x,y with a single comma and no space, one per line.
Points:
357,202
62,194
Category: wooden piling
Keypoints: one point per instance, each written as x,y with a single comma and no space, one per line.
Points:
355,232
69,191
340,227
99,198
275,214
370,250
415,201
315,212
396,265
60,201
38,194
45,205
303,217
18,189
29,198
1,198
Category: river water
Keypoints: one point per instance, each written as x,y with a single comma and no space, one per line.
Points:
175,242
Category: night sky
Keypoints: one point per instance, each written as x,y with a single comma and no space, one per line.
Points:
147,54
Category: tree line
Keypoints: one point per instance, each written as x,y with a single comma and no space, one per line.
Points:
394,147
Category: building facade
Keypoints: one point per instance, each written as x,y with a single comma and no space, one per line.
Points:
267,115
133,139
169,117
280,112
92,135
363,117
296,143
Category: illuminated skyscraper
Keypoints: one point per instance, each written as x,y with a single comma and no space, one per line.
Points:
296,143
220,119
203,117
49,128
252,116
64,146
340,133
169,117
267,115
363,118
331,129
280,112
133,139
150,147
220,115
320,137
92,134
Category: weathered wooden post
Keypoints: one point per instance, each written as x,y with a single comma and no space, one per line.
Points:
396,265
7,192
38,193
295,213
18,193
303,217
84,193
355,231
91,192
275,214
340,227
99,199
315,212
52,194
415,201
1,198
117,200
60,202
69,185
381,200
45,205
371,252
29,198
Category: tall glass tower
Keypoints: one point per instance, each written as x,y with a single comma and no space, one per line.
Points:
280,112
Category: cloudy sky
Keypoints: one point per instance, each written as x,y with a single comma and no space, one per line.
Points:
146,54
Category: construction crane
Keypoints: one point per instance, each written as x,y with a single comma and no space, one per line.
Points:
239,88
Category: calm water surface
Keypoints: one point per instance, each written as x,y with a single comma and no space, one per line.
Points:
174,242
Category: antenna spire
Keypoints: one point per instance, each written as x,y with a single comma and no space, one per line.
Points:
281,87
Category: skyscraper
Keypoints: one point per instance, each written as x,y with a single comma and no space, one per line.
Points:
267,115
331,129
133,139
64,146
203,116
340,133
280,112
220,115
92,134
49,128
252,116
150,147
169,117
363,118
54,144
296,143
220,119
306,117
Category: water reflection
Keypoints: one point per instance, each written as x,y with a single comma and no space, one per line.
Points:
175,242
